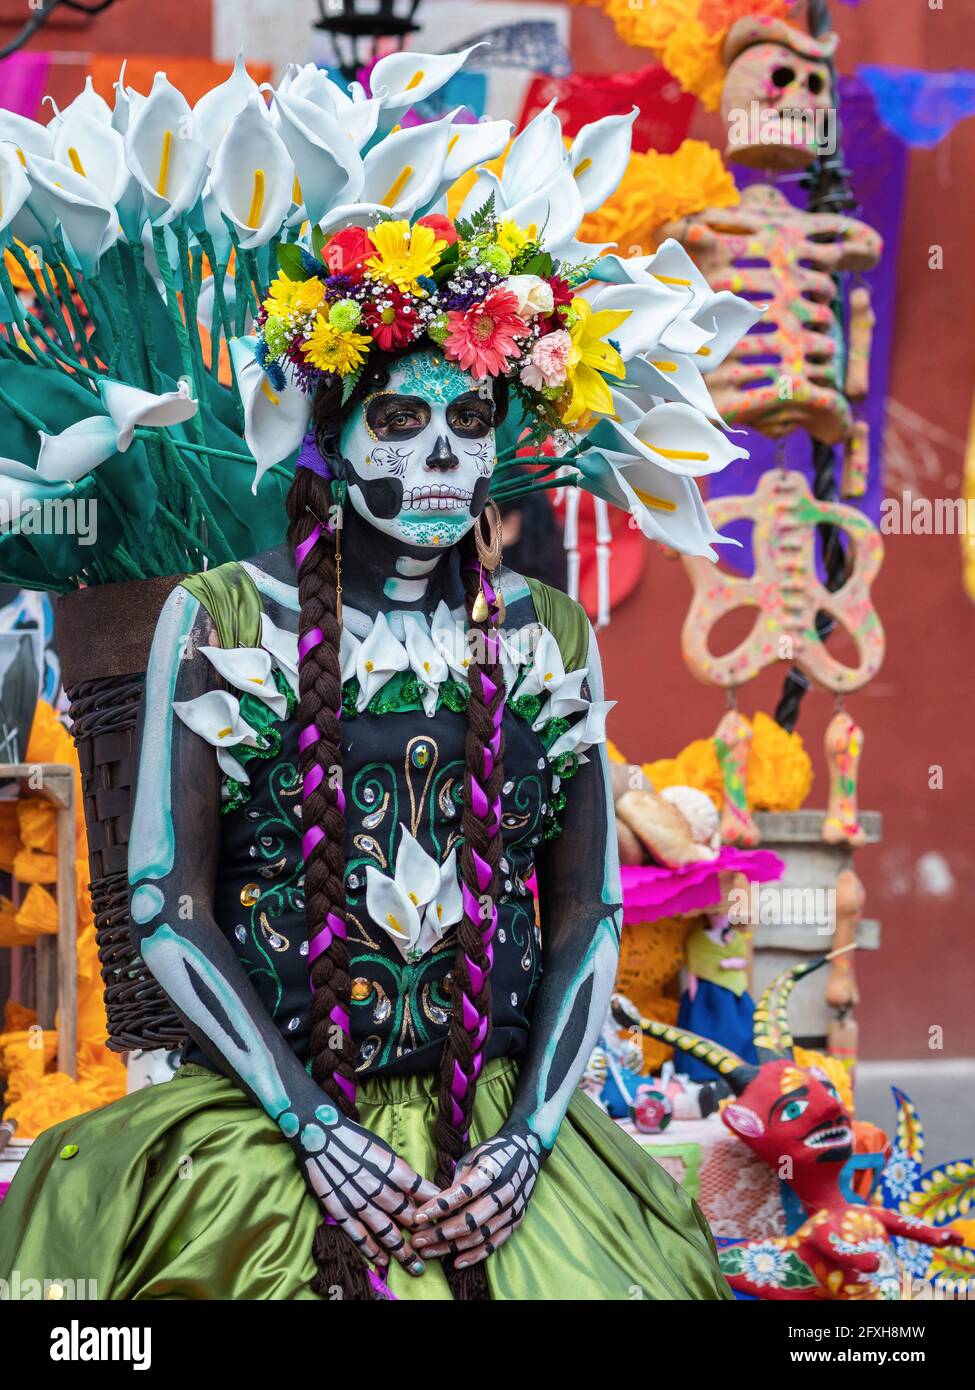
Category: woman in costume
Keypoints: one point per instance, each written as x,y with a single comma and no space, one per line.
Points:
359,751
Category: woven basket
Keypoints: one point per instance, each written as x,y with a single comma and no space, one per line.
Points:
104,635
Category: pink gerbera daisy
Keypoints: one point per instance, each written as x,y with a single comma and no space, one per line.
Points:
484,338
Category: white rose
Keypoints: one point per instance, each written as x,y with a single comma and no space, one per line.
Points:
534,295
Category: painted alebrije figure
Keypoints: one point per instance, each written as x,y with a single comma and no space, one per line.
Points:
392,765
715,1001
793,1119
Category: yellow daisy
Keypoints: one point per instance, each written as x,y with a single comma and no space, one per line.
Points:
332,350
590,357
404,254
286,296
510,237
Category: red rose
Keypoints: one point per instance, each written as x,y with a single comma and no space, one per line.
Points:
441,226
346,253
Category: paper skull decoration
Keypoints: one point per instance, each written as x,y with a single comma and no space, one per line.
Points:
777,99
788,373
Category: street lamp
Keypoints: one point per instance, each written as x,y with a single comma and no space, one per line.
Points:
356,26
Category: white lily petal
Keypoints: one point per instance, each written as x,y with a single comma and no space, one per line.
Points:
426,662
283,647
379,657
401,80
681,439
216,110
449,638
391,910
29,137
328,167
553,212
403,172
547,671
275,419
165,155
248,669
599,157
729,317
472,143
672,377
485,184
585,732
216,717
230,767
94,150
90,103
14,188
70,455
130,407
535,158
417,873
88,220
567,698
445,909
651,308
252,177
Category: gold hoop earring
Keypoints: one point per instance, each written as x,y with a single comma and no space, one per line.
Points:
489,548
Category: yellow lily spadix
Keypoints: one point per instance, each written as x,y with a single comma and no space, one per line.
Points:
257,200
590,357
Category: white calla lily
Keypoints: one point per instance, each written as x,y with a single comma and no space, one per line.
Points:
216,717
93,150
21,489
379,657
73,453
679,438
252,177
547,671
404,171
726,318
131,407
585,732
348,653
485,186
88,220
283,648
275,418
516,651
565,699
217,109
248,669
328,168
14,188
400,80
599,156
417,905
449,637
127,103
164,154
357,119
426,661
668,377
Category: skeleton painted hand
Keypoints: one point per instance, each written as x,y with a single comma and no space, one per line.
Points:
487,1200
365,1187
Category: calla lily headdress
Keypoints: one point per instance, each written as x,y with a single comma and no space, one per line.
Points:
306,226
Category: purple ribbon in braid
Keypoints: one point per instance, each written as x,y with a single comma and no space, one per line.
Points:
490,813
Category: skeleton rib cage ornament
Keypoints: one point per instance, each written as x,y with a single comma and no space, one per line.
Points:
788,372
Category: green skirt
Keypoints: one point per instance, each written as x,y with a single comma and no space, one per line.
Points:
187,1190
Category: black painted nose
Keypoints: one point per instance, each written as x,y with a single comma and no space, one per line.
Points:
442,456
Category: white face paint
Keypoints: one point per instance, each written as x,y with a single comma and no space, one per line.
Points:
420,452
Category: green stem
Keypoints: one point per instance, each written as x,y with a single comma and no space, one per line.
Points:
143,432
219,273
179,326
200,379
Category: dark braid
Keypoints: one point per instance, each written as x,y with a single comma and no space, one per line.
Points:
309,505
470,1019
312,537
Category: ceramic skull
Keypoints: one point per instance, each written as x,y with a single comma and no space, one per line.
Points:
777,102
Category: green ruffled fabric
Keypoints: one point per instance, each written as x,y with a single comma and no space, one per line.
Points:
188,1191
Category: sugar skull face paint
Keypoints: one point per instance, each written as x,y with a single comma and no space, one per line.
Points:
420,452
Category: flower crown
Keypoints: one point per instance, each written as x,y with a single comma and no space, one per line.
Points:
482,289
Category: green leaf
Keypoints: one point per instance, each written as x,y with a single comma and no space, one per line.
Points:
468,228
289,259
539,264
318,239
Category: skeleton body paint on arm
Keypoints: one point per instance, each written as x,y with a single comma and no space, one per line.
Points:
173,864
581,914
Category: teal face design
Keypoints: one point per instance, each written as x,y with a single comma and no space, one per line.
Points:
419,453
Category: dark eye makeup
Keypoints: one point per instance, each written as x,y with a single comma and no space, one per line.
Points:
471,416
397,417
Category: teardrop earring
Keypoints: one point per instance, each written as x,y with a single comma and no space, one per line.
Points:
489,604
